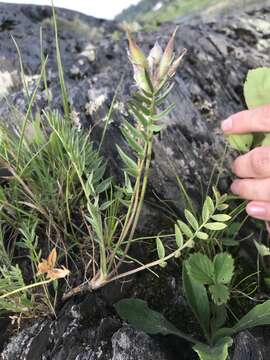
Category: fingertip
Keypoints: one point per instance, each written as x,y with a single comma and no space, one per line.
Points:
258,210
227,125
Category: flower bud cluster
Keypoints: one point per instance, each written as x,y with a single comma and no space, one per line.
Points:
158,67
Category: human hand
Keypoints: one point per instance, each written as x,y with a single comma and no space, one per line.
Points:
253,168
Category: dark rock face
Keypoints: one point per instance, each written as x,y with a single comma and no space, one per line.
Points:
208,89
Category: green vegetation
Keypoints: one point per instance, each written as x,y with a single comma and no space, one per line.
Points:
57,200
157,11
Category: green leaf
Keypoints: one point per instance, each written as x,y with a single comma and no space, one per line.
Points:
202,235
201,268
230,242
164,95
221,217
224,268
103,186
220,293
257,87
266,140
197,298
216,352
262,249
178,237
240,142
258,316
160,248
158,128
185,229
191,219
131,165
133,143
139,315
141,98
219,317
222,207
139,117
208,208
216,226
163,113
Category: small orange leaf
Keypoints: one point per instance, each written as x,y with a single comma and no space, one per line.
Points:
43,267
47,267
55,274
52,258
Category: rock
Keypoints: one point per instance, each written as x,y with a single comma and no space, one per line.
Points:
208,89
129,344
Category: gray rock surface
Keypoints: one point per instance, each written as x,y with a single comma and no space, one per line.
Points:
208,89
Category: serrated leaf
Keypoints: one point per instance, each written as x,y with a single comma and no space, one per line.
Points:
160,248
131,165
240,142
139,315
202,235
163,113
262,249
201,268
224,268
257,87
197,298
178,237
185,229
220,293
221,217
258,316
191,219
215,226
217,352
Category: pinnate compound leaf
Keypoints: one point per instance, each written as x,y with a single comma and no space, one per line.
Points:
215,226
139,315
197,298
220,293
201,268
258,316
224,268
257,87
191,219
217,352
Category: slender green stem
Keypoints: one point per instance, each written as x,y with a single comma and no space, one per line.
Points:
27,287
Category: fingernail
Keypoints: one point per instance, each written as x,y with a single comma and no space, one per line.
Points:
256,210
235,187
226,125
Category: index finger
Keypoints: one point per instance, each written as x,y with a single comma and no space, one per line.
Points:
254,120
